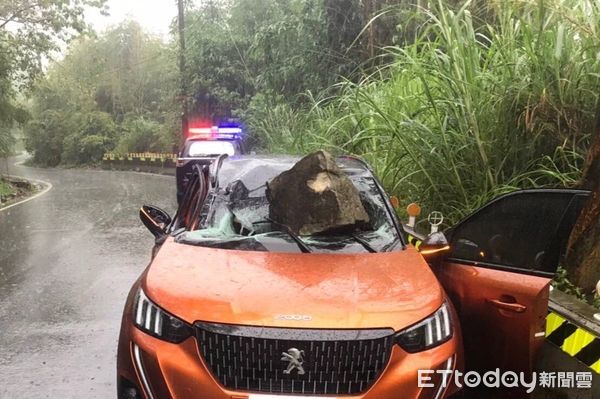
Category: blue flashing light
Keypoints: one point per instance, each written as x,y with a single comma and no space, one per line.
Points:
229,124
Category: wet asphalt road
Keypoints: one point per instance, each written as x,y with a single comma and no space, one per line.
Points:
67,261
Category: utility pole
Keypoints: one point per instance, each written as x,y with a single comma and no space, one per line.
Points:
182,74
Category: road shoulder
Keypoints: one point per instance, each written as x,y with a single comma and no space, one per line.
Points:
21,190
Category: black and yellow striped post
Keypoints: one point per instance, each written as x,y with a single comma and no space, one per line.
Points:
576,341
414,241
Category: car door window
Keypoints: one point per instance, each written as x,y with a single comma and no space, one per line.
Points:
525,230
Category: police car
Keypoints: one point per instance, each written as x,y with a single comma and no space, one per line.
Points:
203,144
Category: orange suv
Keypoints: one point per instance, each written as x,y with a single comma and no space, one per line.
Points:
235,306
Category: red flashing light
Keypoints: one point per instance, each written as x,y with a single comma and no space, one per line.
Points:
215,132
200,130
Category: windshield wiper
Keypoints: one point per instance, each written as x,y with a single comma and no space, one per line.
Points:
363,242
286,229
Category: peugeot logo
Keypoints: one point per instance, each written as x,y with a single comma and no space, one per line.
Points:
295,358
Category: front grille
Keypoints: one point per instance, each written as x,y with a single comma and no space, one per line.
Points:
253,359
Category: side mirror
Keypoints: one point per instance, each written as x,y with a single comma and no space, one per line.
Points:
155,219
434,246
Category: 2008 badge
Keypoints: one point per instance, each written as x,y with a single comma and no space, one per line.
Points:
293,317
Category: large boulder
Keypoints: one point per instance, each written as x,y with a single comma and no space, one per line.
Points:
315,196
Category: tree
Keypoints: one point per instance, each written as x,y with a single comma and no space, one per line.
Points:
92,134
583,253
29,31
219,72
279,49
46,132
344,22
97,89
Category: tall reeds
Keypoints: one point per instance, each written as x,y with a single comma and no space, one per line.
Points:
483,102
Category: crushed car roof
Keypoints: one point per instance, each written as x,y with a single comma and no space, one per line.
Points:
255,170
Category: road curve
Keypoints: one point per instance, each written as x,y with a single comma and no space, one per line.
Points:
67,260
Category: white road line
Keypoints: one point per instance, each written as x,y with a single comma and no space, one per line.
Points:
44,191
49,185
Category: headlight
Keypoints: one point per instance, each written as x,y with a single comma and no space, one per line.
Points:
154,321
429,333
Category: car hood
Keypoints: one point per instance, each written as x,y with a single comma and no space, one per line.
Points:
381,290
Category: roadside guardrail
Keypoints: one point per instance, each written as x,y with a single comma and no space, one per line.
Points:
572,326
153,162
142,157
571,349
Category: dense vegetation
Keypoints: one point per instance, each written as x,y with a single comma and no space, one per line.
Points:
119,91
29,32
112,92
452,102
475,106
247,54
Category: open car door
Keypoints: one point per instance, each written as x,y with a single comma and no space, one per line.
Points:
498,271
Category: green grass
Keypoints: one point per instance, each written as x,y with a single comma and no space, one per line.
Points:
562,283
5,188
474,108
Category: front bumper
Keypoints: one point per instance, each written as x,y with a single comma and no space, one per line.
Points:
161,370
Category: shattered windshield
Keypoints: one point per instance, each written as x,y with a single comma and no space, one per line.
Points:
236,215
